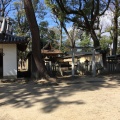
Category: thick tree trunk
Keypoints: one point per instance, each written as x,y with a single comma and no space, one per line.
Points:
115,30
95,39
36,47
104,59
97,44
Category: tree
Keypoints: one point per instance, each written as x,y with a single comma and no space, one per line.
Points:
43,27
59,27
72,37
114,28
20,21
54,36
21,26
3,7
105,43
115,8
36,44
49,34
85,42
84,14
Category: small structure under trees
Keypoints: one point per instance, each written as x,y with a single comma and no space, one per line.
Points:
49,55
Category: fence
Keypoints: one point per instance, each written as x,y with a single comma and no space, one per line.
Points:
113,64
80,68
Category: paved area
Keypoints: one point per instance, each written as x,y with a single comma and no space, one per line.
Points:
83,98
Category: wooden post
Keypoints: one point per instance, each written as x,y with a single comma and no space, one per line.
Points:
3,26
73,62
93,64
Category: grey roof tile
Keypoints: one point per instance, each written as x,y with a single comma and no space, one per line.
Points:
6,38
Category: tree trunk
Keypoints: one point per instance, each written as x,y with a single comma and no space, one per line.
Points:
115,30
60,36
97,44
104,59
36,45
95,39
3,10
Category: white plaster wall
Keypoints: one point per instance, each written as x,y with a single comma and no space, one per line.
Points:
9,59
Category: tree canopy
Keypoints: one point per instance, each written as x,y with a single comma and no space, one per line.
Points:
84,14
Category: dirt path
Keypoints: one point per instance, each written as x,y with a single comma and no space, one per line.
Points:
82,99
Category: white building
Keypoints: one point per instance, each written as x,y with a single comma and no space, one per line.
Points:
9,44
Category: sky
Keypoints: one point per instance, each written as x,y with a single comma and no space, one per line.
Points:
105,20
46,18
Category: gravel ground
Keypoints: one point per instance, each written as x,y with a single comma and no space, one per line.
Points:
83,98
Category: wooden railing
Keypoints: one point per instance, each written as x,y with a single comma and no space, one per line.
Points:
113,66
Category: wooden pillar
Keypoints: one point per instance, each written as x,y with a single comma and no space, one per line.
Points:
93,64
73,62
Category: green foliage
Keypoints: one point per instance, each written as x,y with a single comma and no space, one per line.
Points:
48,34
64,48
105,41
78,11
21,26
35,4
118,50
55,9
40,9
5,7
82,13
85,42
43,27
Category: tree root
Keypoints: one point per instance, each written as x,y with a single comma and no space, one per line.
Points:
46,79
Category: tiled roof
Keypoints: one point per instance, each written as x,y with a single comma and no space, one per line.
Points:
49,50
11,39
52,52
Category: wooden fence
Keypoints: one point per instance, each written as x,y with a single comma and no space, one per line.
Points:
113,66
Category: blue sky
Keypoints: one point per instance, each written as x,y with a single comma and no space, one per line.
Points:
46,18
51,21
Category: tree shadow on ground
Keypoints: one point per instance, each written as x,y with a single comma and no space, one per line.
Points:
30,94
